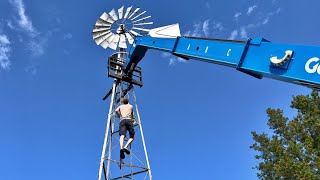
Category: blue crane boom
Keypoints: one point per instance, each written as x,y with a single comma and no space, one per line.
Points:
258,57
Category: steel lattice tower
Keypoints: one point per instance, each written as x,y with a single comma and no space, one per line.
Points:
137,163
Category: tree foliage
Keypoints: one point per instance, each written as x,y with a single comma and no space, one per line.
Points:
293,150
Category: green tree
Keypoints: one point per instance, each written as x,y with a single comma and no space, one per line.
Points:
292,151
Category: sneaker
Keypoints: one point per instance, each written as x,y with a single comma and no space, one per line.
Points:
122,156
126,150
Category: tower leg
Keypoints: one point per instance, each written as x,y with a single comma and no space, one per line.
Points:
107,131
142,136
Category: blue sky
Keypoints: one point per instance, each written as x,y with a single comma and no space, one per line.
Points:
197,117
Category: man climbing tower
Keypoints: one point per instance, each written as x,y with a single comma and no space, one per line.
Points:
125,113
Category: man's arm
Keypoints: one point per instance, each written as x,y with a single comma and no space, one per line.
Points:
132,113
117,111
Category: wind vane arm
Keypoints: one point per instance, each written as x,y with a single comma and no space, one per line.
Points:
258,57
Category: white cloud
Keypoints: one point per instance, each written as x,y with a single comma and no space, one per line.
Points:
196,32
171,62
251,8
4,40
233,35
27,35
208,26
32,69
205,27
165,54
243,33
5,51
38,45
265,21
252,26
36,48
67,36
237,15
188,33
208,5
267,18
181,60
172,59
36,42
218,26
23,20
58,20
261,19
10,25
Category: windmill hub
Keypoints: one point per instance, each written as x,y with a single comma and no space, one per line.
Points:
121,29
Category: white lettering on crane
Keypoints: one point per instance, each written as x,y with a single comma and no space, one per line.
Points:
314,68
228,53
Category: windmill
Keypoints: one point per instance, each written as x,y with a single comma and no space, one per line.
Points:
117,30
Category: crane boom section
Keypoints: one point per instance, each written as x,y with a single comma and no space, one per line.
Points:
258,57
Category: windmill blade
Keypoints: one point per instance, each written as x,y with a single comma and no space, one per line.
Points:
101,28
96,35
101,22
105,44
135,33
141,24
130,38
103,38
113,14
100,25
122,42
139,15
141,19
114,44
141,29
127,12
120,12
111,38
134,12
110,20
104,16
